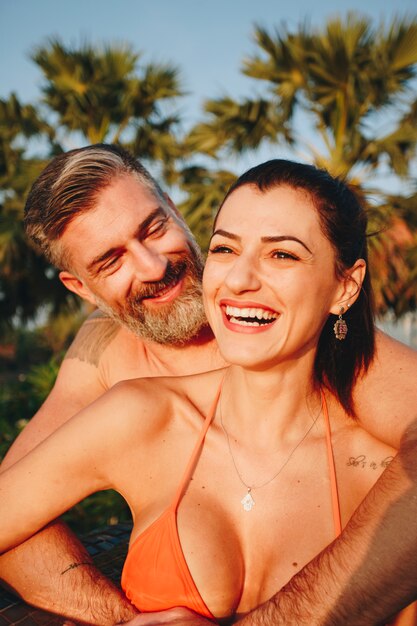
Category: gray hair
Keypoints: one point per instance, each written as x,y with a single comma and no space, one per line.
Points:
69,186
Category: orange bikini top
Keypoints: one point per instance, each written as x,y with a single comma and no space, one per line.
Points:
155,574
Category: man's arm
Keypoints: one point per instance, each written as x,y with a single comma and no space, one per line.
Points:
53,570
370,572
363,578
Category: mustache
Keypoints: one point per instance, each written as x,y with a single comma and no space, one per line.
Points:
174,271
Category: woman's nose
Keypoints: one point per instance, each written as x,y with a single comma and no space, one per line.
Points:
243,275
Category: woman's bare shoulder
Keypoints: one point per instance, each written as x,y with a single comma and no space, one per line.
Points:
150,402
146,388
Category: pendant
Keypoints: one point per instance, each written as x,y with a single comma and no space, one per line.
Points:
248,502
340,328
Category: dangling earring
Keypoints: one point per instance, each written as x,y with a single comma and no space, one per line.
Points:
340,328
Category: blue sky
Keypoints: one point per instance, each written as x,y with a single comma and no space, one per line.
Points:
206,40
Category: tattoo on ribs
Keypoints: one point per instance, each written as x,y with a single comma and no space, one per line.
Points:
92,339
361,461
74,566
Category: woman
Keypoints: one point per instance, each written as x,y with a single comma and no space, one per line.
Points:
235,478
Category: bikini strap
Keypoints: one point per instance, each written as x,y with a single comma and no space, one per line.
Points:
196,452
332,469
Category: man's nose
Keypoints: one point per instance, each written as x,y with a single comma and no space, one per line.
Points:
150,265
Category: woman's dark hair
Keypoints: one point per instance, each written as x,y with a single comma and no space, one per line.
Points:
343,221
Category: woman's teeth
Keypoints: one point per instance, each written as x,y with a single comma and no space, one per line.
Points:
249,316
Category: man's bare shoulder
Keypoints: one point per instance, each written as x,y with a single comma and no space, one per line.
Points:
389,348
386,396
116,353
92,339
395,364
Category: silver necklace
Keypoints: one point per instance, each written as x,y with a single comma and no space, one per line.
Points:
247,501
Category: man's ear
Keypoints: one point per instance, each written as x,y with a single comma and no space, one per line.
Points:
350,287
76,285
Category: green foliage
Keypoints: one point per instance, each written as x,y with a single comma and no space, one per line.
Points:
20,398
29,363
205,190
353,81
241,125
27,282
104,94
17,404
354,84
101,509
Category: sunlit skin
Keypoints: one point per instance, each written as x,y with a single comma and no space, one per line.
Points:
269,260
141,433
124,242
268,406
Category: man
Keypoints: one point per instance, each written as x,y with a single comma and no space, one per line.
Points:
121,245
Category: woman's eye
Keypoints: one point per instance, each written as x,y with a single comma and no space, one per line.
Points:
219,249
280,254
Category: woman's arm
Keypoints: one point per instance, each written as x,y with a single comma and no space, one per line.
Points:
73,462
34,570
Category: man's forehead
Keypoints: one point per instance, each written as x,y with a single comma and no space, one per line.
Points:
128,186
125,198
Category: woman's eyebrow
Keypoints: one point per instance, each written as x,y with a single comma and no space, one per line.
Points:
267,239
224,233
276,238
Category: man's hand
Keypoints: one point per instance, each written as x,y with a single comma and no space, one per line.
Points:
366,575
66,583
178,616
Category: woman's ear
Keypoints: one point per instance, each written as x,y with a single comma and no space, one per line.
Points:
350,286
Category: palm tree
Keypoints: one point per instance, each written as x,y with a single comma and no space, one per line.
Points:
353,85
97,95
103,94
26,280
204,191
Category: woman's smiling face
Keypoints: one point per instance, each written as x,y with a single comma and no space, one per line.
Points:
269,281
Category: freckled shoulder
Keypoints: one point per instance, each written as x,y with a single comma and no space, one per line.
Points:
93,338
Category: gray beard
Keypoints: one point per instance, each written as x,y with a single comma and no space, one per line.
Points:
175,323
